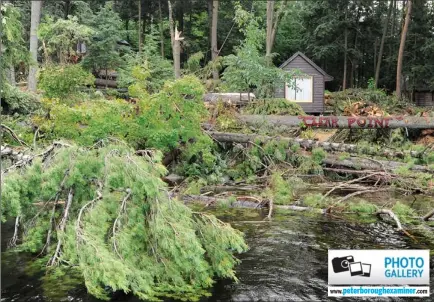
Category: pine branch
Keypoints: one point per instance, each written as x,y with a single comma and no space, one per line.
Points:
13,241
116,224
78,226
53,212
54,259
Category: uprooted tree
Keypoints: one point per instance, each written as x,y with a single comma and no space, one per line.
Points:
106,212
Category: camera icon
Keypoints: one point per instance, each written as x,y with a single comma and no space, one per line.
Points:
342,264
347,263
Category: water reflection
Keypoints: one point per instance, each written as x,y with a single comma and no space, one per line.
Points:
287,260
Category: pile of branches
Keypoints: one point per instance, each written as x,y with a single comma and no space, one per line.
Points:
106,211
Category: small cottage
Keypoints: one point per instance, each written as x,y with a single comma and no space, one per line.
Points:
309,93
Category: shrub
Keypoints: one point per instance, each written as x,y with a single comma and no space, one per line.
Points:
64,80
274,106
16,101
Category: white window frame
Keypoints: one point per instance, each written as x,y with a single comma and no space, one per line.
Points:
287,91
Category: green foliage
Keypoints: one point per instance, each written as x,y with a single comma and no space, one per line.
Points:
146,72
15,100
362,207
371,84
315,201
14,50
152,245
404,212
274,106
167,120
248,67
58,81
104,53
281,191
388,103
60,37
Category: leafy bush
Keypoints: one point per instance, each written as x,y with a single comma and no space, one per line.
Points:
64,80
168,120
16,101
274,106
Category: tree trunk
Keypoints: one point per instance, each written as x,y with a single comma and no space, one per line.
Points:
308,144
176,47
10,75
401,49
67,4
35,19
140,27
344,81
161,29
358,122
270,14
383,38
214,24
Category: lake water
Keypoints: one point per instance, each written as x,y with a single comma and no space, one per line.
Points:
287,260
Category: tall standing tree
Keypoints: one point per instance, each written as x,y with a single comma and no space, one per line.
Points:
104,51
175,37
140,27
273,18
401,49
34,24
383,38
344,80
214,24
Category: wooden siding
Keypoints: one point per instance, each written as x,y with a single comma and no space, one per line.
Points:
317,105
424,99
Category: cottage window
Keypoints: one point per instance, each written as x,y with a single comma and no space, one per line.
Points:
303,92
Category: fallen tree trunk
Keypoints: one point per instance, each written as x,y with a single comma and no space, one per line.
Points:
307,144
210,201
359,163
428,215
357,122
106,83
239,99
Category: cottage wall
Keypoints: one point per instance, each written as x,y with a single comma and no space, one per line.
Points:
424,99
317,105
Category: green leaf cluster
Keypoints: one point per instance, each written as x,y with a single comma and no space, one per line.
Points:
62,81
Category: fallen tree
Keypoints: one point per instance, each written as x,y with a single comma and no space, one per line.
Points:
309,144
360,163
108,203
357,163
360,122
235,98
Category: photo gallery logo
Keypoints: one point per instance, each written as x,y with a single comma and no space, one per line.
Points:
347,264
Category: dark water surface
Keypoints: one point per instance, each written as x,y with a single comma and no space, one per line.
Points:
287,260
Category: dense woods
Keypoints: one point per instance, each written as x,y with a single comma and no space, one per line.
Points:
117,116
355,41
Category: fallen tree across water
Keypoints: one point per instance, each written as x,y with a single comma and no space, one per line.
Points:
361,122
309,144
357,163
117,208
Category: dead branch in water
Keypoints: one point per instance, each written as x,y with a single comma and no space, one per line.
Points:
329,209
392,215
428,215
14,136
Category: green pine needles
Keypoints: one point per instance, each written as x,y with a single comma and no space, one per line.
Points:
107,212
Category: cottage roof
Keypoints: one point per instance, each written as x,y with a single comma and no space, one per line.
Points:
300,54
